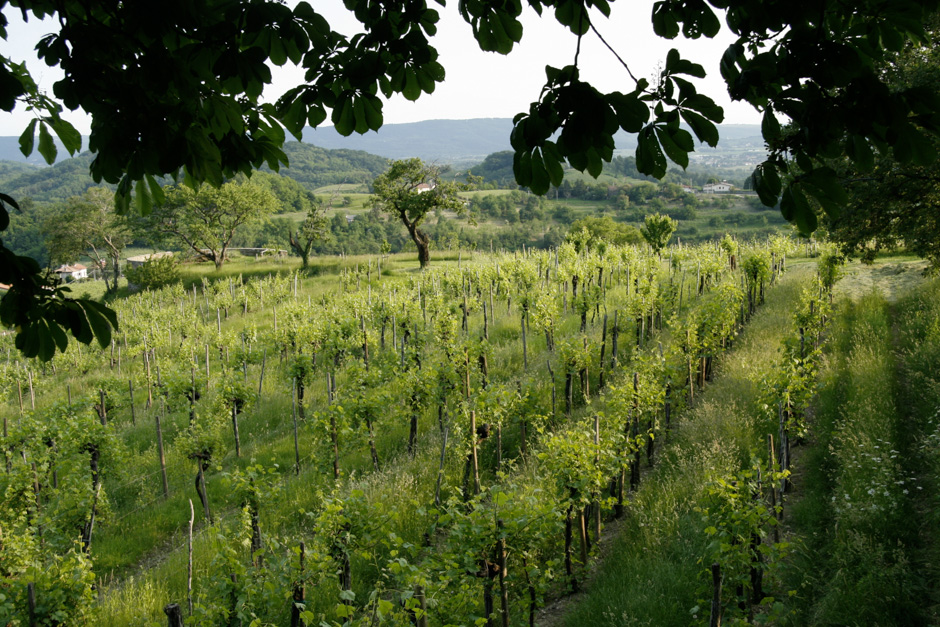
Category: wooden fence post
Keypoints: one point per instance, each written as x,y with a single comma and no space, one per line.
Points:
715,617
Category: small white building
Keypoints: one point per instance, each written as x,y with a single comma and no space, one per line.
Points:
717,188
139,260
74,272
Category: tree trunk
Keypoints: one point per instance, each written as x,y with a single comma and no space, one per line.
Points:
423,243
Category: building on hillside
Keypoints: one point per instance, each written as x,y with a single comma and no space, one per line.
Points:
688,189
139,260
717,188
424,187
350,218
73,272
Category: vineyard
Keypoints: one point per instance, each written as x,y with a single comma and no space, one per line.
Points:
383,446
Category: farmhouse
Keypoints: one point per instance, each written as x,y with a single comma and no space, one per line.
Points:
139,260
73,272
717,188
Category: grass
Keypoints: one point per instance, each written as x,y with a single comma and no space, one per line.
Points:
653,575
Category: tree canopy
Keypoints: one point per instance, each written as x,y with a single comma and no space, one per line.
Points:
89,224
205,220
657,229
179,91
410,190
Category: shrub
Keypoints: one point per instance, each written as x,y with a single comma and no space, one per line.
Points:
154,273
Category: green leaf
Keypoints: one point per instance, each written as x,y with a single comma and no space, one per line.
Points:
675,64
824,184
665,20
100,319
792,202
913,146
70,138
703,128
59,337
142,196
316,114
344,118
859,150
649,155
411,89
632,113
770,127
553,163
46,145
673,151
767,183
795,207
27,138
156,191
372,107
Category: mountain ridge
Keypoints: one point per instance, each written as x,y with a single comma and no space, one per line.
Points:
445,141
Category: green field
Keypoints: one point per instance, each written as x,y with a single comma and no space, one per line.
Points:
398,507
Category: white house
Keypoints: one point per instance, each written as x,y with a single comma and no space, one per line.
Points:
717,188
72,272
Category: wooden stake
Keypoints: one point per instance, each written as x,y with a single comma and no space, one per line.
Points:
189,571
264,359
130,387
473,453
715,617
294,415
166,485
501,564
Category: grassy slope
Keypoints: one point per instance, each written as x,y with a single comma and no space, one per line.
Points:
652,575
868,507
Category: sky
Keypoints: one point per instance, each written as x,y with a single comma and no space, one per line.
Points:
478,84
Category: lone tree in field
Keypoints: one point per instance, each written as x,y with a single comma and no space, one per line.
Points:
205,220
410,190
310,230
657,230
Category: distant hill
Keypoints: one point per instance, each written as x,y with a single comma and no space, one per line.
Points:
311,166
458,142
327,158
315,166
55,183
468,142
10,151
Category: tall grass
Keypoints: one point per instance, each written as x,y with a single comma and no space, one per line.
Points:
857,520
654,573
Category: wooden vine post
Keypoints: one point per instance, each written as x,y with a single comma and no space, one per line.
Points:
298,596
166,487
130,386
503,573
334,435
294,416
189,570
238,445
715,615
473,452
